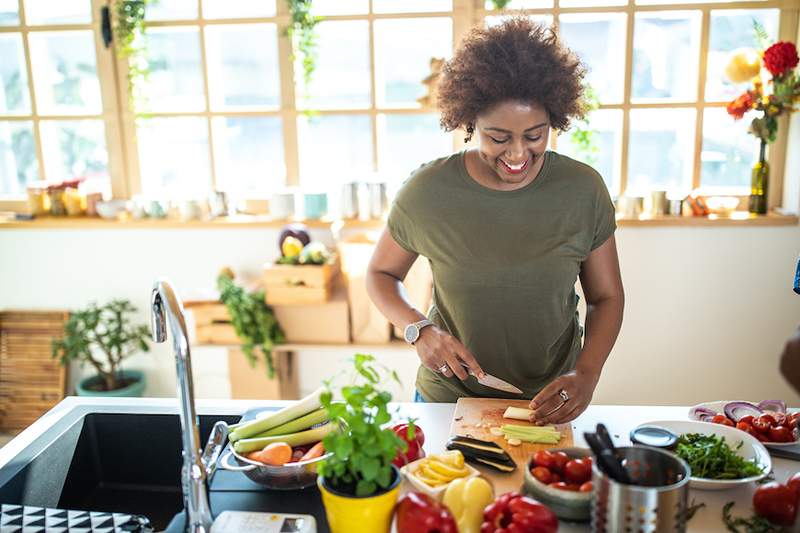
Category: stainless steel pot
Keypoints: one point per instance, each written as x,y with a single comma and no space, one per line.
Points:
291,476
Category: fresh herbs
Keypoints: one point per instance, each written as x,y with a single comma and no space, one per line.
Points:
754,524
363,451
253,320
711,458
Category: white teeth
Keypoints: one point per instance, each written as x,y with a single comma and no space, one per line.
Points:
514,167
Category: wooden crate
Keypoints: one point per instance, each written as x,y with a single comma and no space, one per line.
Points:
299,284
217,333
31,381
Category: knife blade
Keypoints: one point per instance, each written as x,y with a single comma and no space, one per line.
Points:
493,382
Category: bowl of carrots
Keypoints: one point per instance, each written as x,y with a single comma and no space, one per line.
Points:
278,465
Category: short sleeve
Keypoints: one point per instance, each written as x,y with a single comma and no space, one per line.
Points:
605,222
401,228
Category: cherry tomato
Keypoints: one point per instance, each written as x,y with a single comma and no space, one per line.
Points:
793,419
560,459
794,484
748,419
763,424
780,434
775,502
560,485
544,458
744,426
780,419
586,487
542,474
555,477
577,471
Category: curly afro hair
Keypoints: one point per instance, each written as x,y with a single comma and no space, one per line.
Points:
515,60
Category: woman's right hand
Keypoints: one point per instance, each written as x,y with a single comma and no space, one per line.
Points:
442,353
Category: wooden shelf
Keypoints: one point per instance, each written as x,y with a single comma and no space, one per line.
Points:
294,347
739,218
238,221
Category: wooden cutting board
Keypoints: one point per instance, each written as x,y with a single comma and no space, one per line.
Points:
489,412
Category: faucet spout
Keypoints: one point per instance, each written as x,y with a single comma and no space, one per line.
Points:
167,313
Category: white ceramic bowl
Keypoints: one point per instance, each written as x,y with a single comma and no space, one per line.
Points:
719,407
111,209
751,449
437,493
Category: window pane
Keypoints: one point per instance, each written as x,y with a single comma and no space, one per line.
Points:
599,40
176,80
660,151
411,6
65,72
728,151
399,70
248,153
603,151
228,9
9,12
173,157
333,149
14,95
592,3
522,4
339,7
341,78
61,12
18,164
243,80
408,141
75,149
546,20
171,10
732,29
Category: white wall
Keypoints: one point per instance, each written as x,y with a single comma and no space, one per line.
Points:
708,309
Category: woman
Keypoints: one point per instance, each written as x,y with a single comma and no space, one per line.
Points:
507,228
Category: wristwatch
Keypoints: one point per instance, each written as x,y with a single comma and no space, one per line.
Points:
411,333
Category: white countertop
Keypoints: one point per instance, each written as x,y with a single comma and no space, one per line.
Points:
435,419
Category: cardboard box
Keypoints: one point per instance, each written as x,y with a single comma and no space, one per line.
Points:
324,323
251,382
418,287
367,324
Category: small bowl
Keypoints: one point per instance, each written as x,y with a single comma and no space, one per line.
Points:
437,493
291,476
566,504
111,209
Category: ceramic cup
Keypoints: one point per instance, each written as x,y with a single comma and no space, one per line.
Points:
315,205
281,205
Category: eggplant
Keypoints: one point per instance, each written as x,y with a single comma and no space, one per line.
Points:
483,452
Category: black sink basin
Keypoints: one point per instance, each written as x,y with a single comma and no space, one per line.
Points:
116,462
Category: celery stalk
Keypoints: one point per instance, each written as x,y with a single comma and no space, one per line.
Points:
296,410
300,438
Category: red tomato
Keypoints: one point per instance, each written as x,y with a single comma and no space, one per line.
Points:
544,458
780,419
560,485
542,474
560,459
780,434
794,484
775,502
763,424
555,477
747,419
577,471
587,487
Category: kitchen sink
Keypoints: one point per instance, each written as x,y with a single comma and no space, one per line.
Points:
116,462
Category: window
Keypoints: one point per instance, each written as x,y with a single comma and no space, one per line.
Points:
225,107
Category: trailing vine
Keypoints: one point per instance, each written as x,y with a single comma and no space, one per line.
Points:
253,320
500,4
304,37
129,33
584,137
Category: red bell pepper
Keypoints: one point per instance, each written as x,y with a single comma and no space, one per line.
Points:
419,513
414,445
515,513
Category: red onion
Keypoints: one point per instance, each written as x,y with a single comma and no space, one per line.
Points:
736,410
776,406
702,413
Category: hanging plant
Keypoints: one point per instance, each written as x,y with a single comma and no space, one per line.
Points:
500,4
129,32
583,137
302,33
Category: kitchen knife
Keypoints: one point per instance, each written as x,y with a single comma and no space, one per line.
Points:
493,382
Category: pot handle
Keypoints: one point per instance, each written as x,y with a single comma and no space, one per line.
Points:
225,464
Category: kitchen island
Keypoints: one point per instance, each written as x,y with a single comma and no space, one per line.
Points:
60,426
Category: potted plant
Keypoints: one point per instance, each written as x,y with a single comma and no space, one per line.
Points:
358,482
103,336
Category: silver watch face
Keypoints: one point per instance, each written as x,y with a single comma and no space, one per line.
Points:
411,333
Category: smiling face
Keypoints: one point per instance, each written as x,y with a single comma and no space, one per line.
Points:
512,138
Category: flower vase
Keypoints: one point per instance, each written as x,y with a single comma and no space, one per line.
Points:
759,184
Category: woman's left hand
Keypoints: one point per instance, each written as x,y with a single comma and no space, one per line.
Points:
550,405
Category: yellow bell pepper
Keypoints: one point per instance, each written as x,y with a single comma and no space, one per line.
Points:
466,499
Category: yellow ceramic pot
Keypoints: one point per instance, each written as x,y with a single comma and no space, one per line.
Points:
352,514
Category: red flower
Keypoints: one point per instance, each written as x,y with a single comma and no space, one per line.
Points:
780,57
740,106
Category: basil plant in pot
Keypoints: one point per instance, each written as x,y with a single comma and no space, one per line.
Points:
358,482
103,336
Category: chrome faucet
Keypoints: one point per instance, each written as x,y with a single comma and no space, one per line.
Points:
166,308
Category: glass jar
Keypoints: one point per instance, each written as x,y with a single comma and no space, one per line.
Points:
56,194
38,199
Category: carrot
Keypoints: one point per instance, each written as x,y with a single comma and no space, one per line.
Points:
276,454
254,456
316,451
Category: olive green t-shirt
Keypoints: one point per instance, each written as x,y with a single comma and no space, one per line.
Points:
504,266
